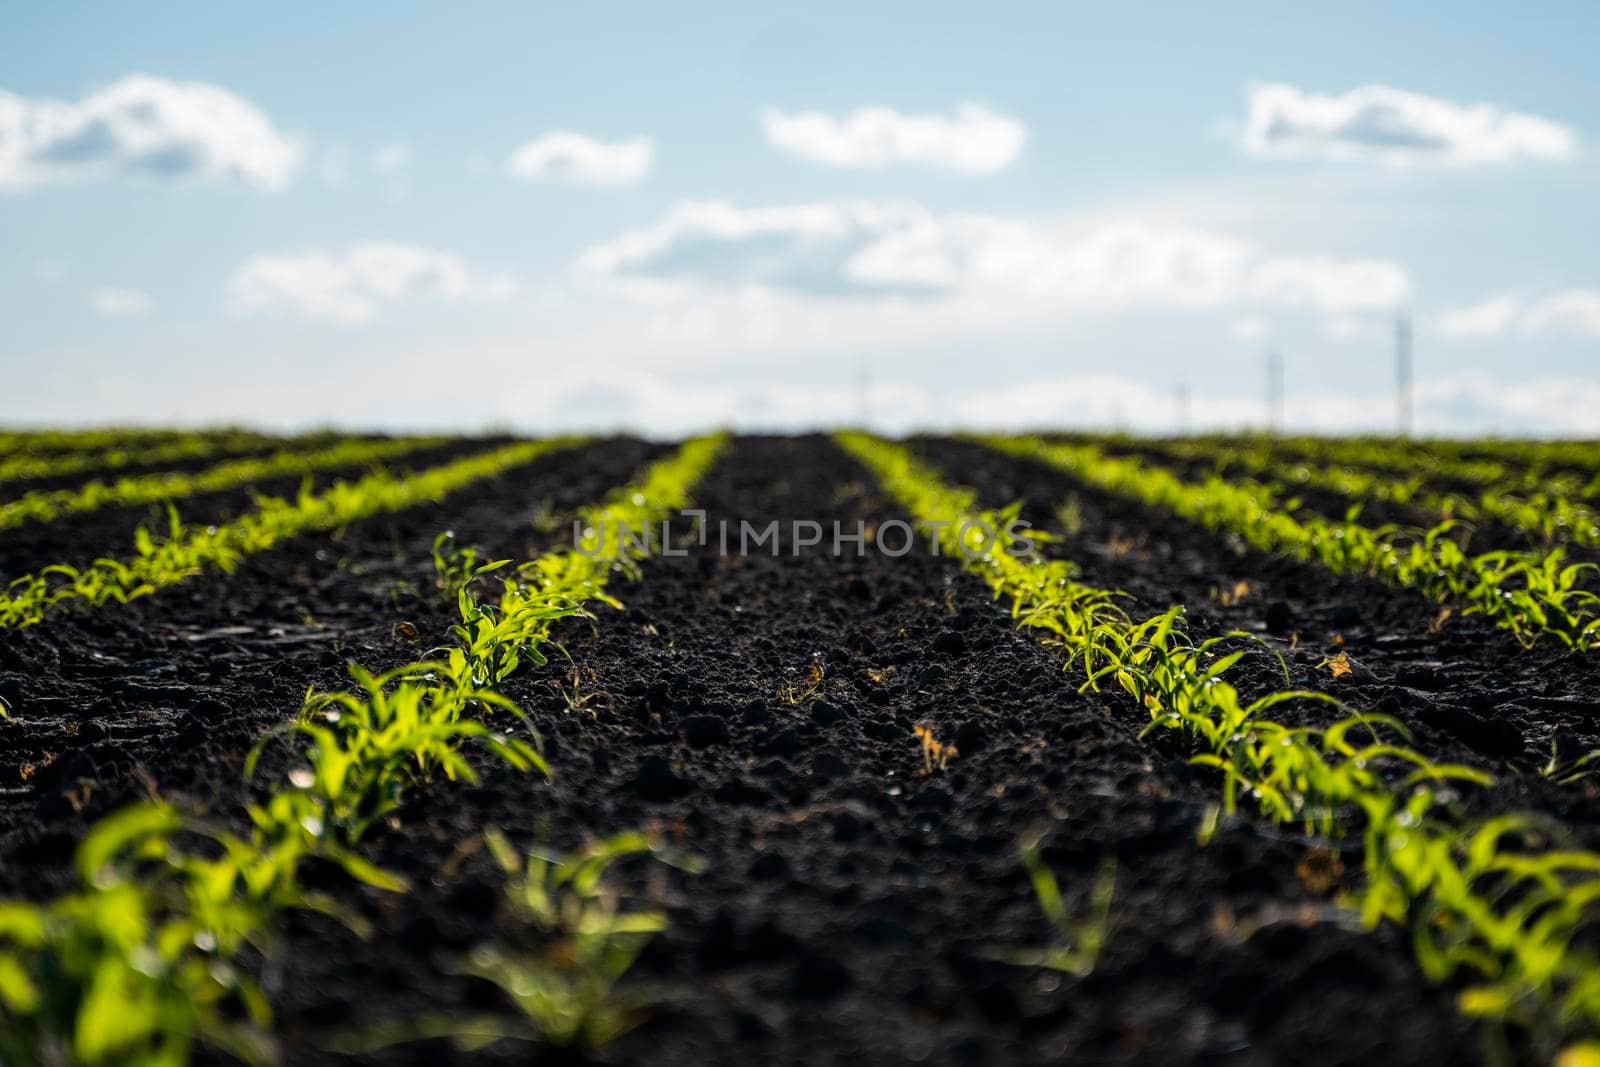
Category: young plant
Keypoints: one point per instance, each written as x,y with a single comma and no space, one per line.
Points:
1079,939
136,966
364,749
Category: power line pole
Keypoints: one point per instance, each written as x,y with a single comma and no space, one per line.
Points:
863,395
1402,375
1274,392
1184,420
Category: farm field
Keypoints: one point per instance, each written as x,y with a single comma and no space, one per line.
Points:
1058,748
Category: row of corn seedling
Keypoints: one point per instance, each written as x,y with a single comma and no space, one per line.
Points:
1546,515
1488,904
28,463
187,551
1534,595
47,505
1516,467
148,956
106,439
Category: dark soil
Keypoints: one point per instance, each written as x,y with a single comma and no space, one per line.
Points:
79,539
849,903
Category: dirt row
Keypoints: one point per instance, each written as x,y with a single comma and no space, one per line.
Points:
80,539
16,487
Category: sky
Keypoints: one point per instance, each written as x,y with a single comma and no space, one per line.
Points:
559,217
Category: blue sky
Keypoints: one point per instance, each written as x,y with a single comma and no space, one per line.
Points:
1052,214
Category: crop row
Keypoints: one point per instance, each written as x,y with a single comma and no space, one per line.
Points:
1546,515
47,505
28,463
1534,595
187,551
1488,901
144,958
106,439
1558,469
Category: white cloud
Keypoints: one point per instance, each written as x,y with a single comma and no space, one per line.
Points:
1571,312
391,158
145,126
1568,311
565,156
975,141
1485,319
120,302
1250,328
888,249
1397,128
1332,284
350,286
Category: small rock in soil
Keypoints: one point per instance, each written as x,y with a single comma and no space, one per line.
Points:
769,866
703,731
1280,618
826,714
1492,737
829,765
820,977
1422,676
1345,616
971,736
949,643
657,780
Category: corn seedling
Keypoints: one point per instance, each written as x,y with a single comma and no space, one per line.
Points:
561,966
1079,939
364,749
577,943
137,966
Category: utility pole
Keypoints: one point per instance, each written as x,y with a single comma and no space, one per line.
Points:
1274,393
1402,375
1184,422
863,395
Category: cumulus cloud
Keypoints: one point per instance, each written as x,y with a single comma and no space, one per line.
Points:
573,157
350,286
1485,319
144,126
1568,311
120,302
861,249
1397,128
1572,312
1332,284
974,141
